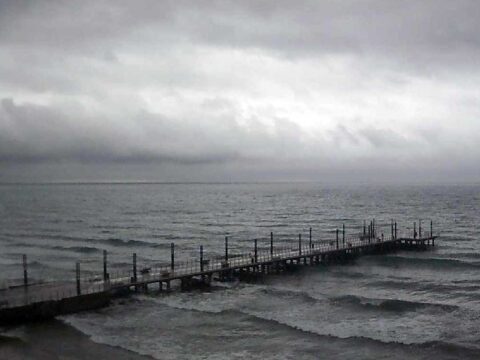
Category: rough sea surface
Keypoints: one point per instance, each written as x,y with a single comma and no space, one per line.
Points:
415,305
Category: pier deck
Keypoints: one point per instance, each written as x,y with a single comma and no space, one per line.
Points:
43,300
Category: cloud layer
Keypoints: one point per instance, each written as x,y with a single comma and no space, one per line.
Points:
240,89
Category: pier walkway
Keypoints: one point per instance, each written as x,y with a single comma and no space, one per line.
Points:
28,302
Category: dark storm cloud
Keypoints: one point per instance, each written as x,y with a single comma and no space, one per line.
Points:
434,29
38,133
281,84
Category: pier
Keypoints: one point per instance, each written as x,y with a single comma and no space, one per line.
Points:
30,301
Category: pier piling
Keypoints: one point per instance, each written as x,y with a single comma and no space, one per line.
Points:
271,244
134,269
25,271
431,233
310,238
299,244
226,249
105,273
77,273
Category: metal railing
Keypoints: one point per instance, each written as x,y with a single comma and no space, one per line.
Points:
292,248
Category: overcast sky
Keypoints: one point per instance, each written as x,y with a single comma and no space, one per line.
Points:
345,90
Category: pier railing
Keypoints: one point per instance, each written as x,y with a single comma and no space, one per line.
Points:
261,253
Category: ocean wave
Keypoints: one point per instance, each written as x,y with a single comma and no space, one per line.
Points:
393,305
288,293
298,296
80,249
446,347
339,272
463,255
46,236
276,322
467,351
117,227
469,286
415,262
428,349
171,237
133,243
270,321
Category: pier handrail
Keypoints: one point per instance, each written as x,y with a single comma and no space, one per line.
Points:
122,278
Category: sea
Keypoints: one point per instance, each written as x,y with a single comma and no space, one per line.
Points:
403,305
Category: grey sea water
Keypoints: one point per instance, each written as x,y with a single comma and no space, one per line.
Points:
417,305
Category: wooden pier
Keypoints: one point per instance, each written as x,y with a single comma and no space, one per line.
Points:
30,302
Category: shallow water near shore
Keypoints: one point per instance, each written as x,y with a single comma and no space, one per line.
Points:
404,305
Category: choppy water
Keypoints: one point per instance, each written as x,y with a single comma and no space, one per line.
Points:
403,305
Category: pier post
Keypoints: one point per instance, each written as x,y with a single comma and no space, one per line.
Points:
135,267
299,244
201,258
25,270
310,238
420,229
271,244
364,228
255,251
431,233
105,273
343,235
226,249
395,230
172,256
77,272
337,238
414,229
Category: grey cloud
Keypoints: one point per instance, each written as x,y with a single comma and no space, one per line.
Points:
341,134
106,73
384,138
381,138
33,133
52,41
434,30
39,133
